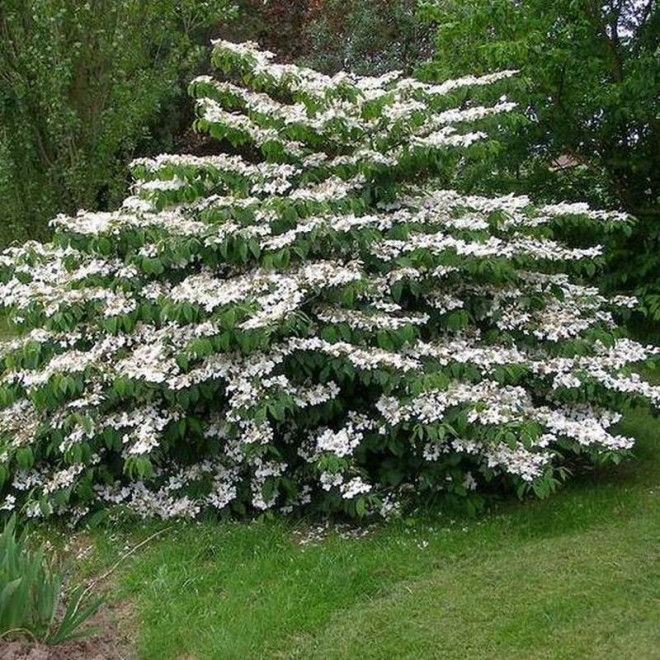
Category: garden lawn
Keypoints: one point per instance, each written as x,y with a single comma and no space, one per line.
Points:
575,576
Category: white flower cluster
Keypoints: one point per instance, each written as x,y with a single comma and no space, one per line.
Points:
341,443
251,335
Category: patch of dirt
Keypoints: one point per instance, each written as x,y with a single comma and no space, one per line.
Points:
89,649
105,644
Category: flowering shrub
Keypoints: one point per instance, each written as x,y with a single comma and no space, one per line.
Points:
317,322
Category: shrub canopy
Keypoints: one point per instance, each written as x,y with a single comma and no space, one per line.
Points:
316,322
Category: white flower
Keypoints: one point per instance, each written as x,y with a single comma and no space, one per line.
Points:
354,487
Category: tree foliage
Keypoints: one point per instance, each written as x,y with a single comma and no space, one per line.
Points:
362,36
82,86
590,88
366,37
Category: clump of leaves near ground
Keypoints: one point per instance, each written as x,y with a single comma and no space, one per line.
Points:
32,603
317,324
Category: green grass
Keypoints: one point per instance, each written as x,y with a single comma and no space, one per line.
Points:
575,576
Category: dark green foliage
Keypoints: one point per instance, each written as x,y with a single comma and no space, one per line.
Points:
589,85
83,87
366,36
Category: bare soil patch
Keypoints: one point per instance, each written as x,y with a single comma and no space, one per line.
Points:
105,644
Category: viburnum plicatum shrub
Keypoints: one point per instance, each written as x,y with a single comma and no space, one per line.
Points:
316,322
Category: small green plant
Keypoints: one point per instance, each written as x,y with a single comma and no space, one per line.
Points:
31,594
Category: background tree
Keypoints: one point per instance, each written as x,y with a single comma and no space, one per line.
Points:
364,36
83,86
589,85
277,25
